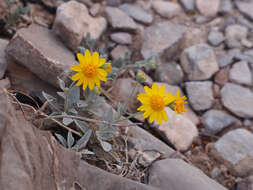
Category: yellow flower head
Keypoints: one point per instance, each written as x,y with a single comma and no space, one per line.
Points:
179,103
89,71
108,67
154,102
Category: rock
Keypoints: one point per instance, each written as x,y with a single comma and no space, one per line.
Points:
199,62
73,22
119,51
235,34
5,83
179,130
224,59
52,3
194,36
118,19
148,80
122,91
47,57
167,9
246,184
162,38
226,6
245,22
173,89
215,38
208,8
32,156
95,8
178,175
170,73
188,5
215,121
137,13
235,148
245,7
221,77
113,3
238,100
200,95
247,122
3,61
240,73
121,38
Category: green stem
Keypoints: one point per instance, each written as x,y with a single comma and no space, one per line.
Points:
128,117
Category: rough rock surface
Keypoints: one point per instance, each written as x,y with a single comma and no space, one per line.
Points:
241,73
208,8
171,171
245,7
170,73
235,147
137,13
188,5
167,9
121,38
3,61
215,120
200,95
73,22
47,57
119,51
179,130
118,19
199,62
34,160
162,38
238,100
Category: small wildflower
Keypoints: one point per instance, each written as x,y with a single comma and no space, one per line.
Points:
89,71
179,103
154,102
141,77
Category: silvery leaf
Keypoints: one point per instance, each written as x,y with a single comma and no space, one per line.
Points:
66,121
82,142
82,125
61,139
61,94
73,96
81,104
61,83
105,145
70,139
85,151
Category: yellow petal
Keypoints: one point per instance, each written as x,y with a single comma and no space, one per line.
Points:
85,84
95,58
87,55
97,82
164,116
178,94
101,62
162,90
80,58
76,76
91,84
148,90
76,68
155,88
80,81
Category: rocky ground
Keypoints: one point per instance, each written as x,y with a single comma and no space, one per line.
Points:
202,48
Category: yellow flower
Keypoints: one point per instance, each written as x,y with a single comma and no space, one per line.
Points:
154,102
179,103
108,67
89,71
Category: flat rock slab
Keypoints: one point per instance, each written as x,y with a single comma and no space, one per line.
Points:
38,49
175,174
3,61
32,159
162,38
238,100
235,147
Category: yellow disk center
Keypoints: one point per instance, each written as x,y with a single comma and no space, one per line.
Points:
157,102
89,70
